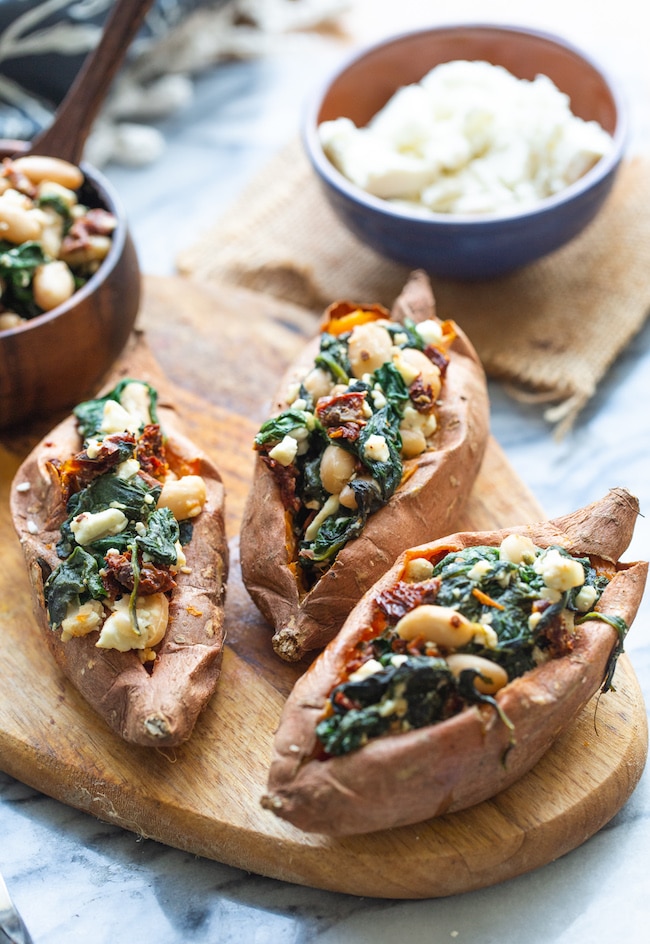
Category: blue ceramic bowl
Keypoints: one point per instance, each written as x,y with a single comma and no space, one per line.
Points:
466,247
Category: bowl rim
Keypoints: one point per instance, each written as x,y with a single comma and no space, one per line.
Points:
108,195
329,173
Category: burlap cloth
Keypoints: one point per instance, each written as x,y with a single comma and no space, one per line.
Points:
549,331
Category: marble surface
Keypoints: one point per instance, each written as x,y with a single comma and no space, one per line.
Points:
77,879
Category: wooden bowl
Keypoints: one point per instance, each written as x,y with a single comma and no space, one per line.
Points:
53,361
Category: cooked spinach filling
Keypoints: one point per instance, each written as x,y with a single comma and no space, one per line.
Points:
373,412
413,685
149,534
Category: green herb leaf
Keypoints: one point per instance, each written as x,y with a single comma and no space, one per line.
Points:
90,413
159,542
333,357
74,581
275,429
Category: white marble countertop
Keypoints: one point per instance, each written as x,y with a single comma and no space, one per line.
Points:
77,879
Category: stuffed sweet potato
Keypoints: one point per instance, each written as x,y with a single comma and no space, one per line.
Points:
456,672
121,521
376,438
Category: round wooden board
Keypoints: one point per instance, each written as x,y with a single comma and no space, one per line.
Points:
204,796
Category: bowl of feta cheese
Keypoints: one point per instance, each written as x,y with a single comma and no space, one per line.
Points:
468,151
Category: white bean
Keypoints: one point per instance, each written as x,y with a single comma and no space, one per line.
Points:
336,468
52,234
412,363
369,347
418,568
318,383
18,225
41,167
53,284
185,497
413,442
494,675
9,319
442,625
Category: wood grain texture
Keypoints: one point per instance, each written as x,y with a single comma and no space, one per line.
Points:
204,796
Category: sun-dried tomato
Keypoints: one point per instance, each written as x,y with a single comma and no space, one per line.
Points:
403,597
437,357
79,470
421,395
96,222
150,452
343,415
117,576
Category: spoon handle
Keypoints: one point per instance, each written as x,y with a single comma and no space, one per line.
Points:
66,136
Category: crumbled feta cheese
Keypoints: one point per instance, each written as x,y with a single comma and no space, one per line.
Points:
135,399
559,572
89,526
470,137
585,598
119,631
426,423
127,469
430,331
479,570
82,620
285,451
371,667
376,448
93,447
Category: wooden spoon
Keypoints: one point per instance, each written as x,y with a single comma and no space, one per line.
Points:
66,136
51,362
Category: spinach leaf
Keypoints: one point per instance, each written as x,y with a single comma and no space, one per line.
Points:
412,694
135,498
275,429
310,487
74,581
159,542
185,531
387,474
393,387
17,267
408,328
333,534
90,413
333,356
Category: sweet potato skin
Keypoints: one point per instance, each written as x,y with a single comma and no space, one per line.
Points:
432,496
149,709
402,779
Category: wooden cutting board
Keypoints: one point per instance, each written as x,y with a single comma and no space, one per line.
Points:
224,350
